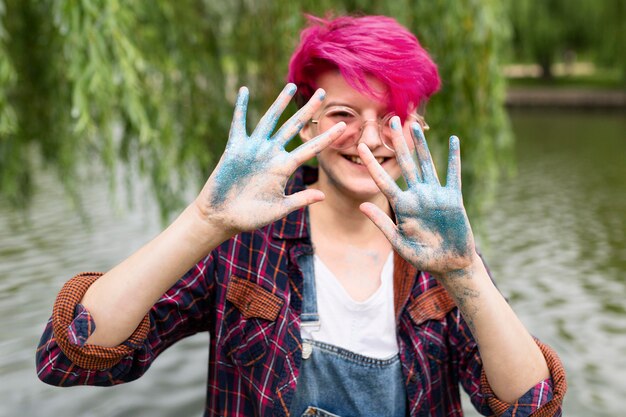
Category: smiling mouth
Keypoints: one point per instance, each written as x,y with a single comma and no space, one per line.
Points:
357,160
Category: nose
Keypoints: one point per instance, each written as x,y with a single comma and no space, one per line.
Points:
370,134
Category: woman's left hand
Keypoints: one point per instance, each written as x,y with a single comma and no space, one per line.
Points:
431,231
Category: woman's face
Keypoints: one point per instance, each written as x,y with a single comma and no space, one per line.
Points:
342,168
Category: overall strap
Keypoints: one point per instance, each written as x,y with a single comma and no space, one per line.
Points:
309,318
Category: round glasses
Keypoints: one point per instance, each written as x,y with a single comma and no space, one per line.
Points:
355,124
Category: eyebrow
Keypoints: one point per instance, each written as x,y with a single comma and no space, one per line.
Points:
338,103
342,104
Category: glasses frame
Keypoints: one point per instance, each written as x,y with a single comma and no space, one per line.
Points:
381,122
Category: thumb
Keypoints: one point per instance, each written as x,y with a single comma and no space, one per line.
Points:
302,199
381,220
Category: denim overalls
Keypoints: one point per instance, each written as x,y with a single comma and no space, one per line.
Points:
336,382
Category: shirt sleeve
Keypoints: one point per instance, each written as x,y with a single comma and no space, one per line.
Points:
542,400
64,359
82,326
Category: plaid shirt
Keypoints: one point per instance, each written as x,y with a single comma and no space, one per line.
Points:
247,293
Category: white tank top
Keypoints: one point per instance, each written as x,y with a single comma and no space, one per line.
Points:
366,327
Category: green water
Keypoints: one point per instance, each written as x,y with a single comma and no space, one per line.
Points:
557,244
555,241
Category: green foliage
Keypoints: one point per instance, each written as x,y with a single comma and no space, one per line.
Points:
544,31
611,36
8,121
467,40
148,86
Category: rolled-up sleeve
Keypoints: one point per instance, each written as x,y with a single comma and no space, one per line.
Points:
64,358
542,400
69,329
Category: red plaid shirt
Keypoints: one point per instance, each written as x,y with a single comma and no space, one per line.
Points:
247,293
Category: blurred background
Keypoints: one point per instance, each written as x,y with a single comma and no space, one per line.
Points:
112,114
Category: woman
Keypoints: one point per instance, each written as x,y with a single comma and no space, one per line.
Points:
326,291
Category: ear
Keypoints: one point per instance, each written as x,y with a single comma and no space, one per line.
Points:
307,132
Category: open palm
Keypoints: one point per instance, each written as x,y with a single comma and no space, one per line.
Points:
431,231
246,189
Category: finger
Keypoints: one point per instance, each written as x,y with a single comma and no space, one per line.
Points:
403,154
429,174
302,199
385,183
238,125
453,179
298,120
313,147
381,220
269,120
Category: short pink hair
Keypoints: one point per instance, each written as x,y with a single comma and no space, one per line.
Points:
358,47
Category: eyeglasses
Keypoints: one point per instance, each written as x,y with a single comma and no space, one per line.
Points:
355,124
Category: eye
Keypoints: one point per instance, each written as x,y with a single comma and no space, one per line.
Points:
341,115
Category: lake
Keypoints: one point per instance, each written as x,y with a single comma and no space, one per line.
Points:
555,240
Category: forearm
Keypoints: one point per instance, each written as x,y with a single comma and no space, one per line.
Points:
511,359
120,299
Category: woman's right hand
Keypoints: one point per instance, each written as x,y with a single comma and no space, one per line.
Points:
247,188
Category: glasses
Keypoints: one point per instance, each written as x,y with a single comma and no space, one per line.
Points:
355,124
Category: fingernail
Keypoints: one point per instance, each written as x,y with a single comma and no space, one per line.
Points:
418,133
321,93
395,123
454,142
242,97
291,88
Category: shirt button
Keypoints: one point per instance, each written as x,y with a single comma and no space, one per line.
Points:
413,377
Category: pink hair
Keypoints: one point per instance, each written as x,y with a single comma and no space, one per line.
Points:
358,47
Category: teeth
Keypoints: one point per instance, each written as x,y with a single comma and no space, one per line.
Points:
357,160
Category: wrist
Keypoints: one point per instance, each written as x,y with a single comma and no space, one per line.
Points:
471,269
201,229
